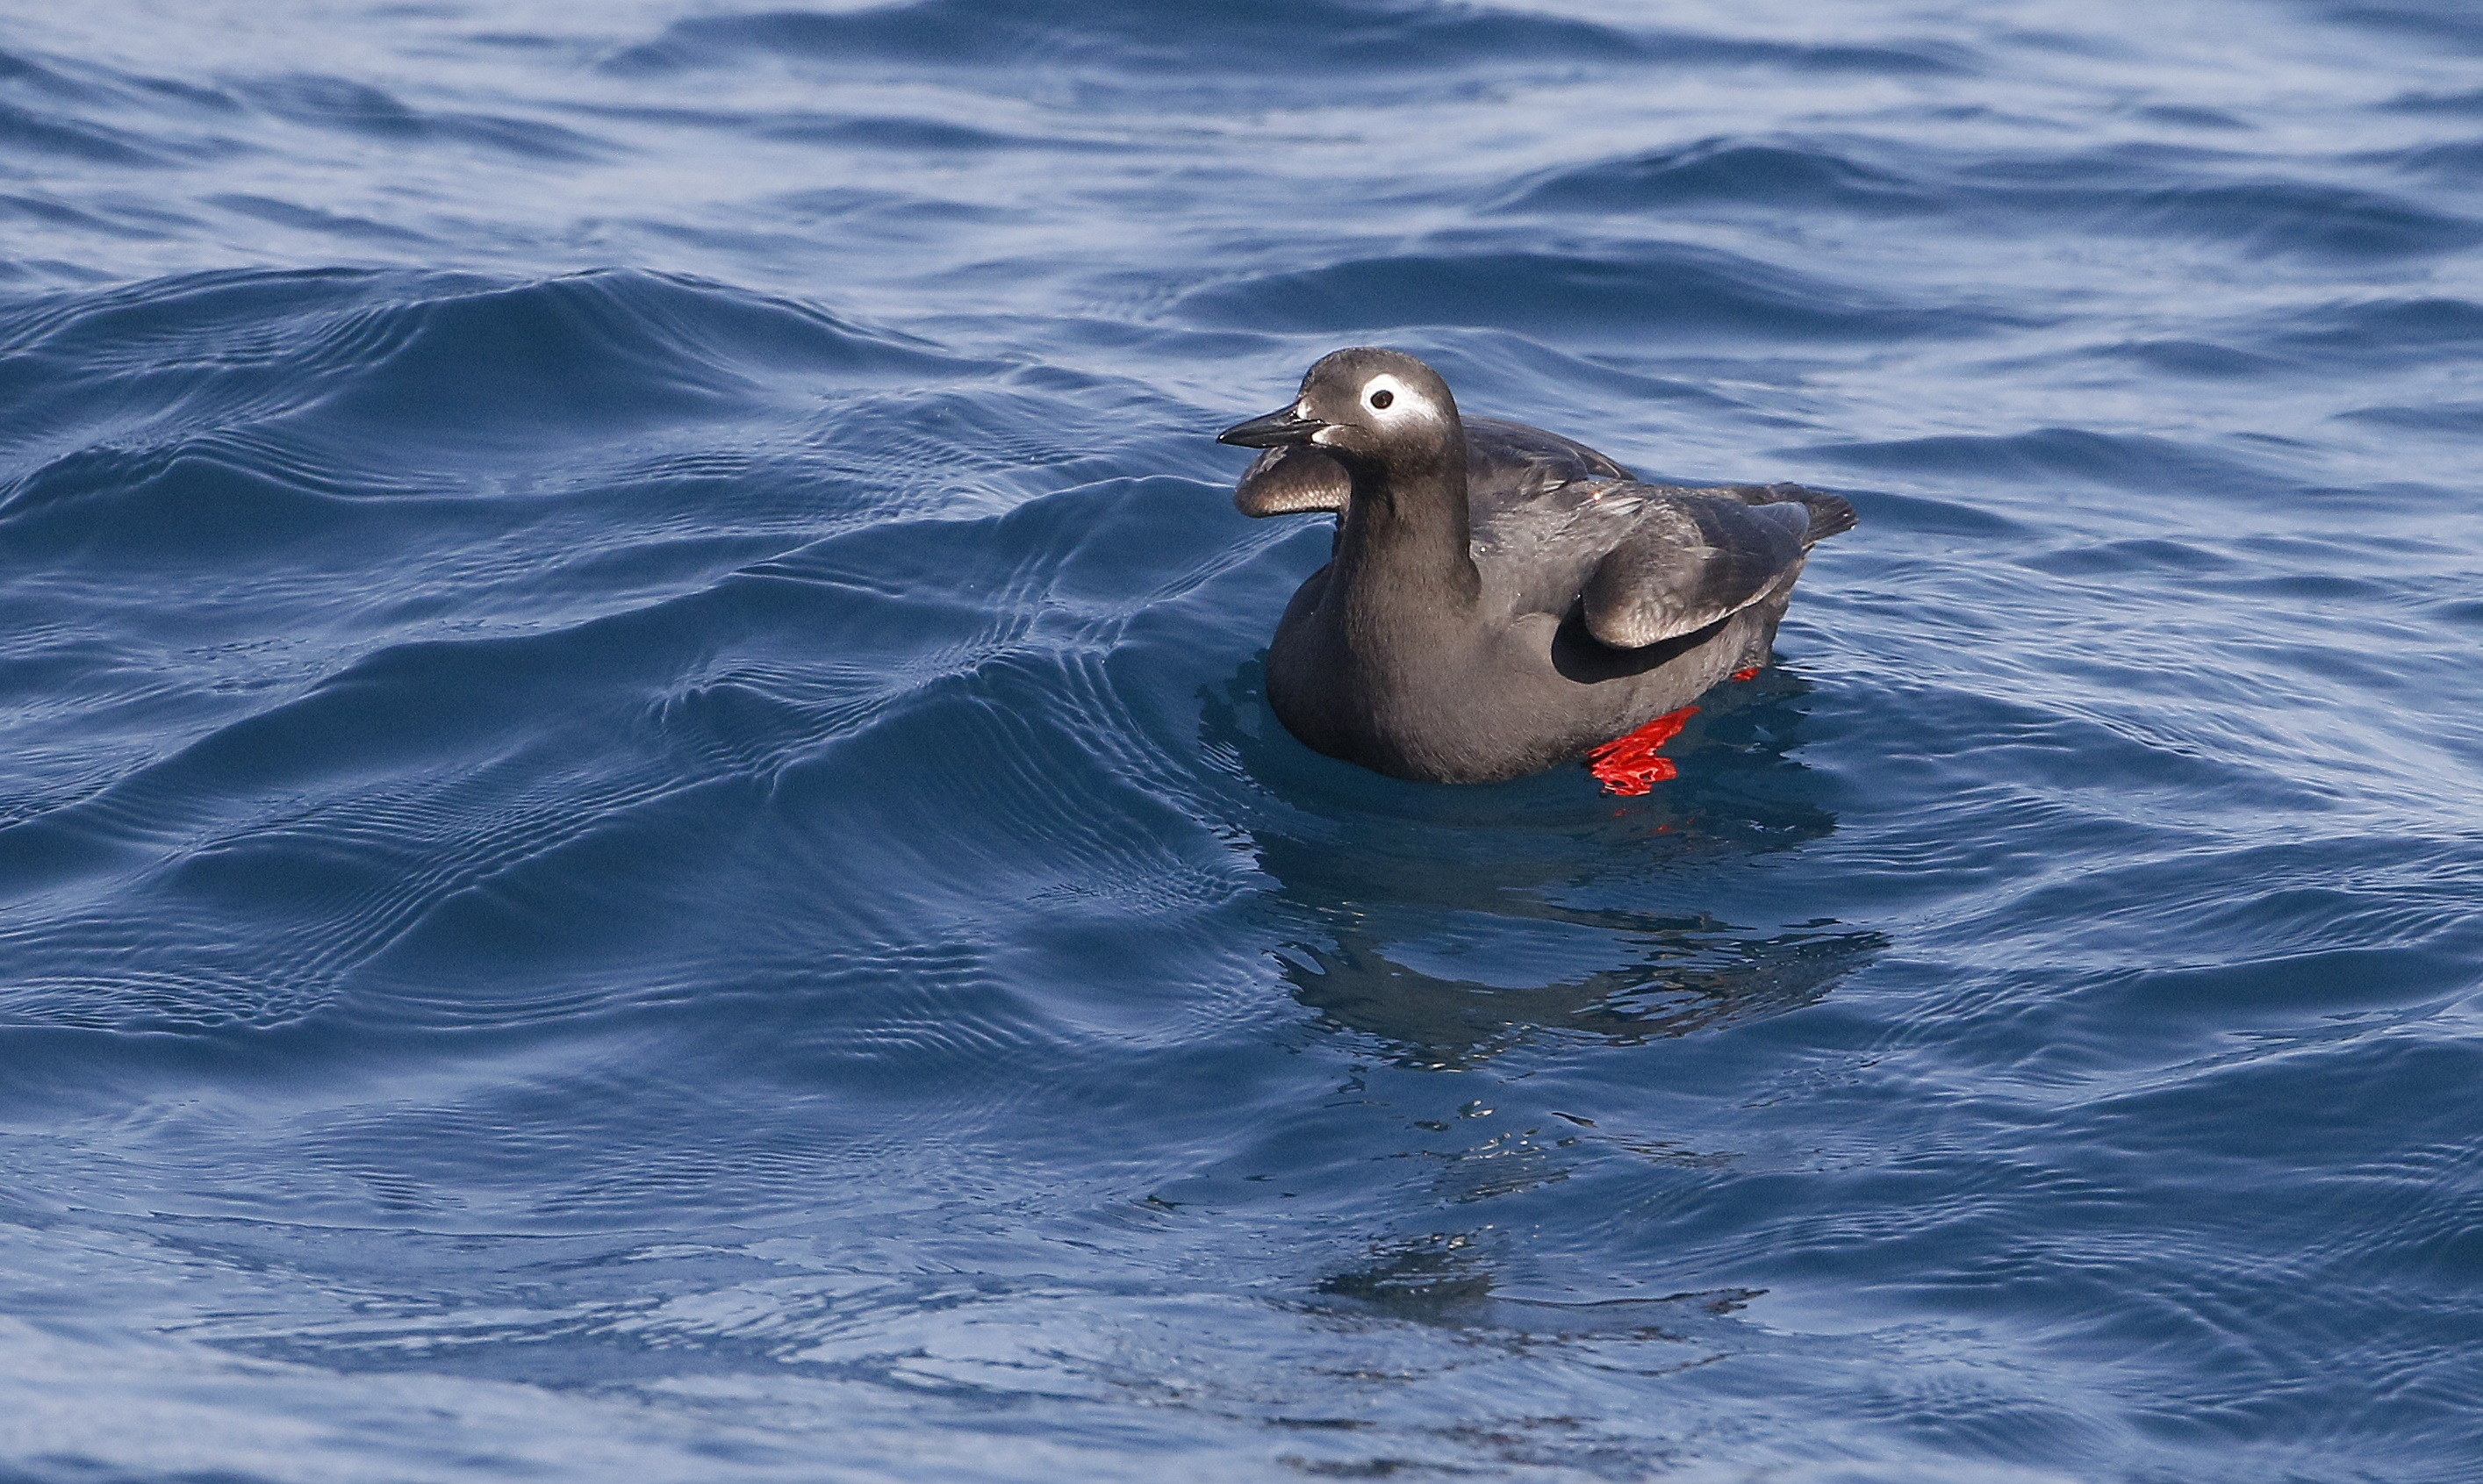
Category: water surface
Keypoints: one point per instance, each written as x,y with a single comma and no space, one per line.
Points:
639,840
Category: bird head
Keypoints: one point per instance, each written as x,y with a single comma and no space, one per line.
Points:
1363,407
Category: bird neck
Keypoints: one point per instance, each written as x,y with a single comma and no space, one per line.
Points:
1406,527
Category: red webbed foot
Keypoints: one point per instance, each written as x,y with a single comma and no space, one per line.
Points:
1629,765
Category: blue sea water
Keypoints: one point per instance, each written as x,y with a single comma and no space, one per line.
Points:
639,840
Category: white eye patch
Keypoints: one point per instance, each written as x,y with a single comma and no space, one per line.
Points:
1391,399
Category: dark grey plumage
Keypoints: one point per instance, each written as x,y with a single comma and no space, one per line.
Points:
1502,598
1291,478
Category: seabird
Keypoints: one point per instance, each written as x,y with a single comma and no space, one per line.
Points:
1502,598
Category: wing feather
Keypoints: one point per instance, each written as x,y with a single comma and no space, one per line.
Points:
1689,561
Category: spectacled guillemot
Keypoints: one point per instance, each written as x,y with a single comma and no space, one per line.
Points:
1502,598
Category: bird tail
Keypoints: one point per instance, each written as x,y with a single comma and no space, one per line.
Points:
1831,514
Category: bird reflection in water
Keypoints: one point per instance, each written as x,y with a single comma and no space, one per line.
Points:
1444,1279
1456,922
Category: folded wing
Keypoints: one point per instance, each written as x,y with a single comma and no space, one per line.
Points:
1692,558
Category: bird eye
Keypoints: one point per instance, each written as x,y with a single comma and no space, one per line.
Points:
1382,398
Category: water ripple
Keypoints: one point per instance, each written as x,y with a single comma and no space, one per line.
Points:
640,836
